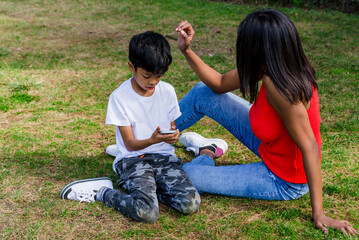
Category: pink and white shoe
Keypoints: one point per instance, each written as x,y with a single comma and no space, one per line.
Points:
195,142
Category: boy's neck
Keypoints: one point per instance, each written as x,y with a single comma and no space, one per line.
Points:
140,91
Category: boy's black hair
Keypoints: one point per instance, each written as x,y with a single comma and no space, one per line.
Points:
150,51
268,42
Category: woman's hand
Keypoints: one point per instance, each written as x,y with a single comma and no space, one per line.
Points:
323,222
185,35
296,120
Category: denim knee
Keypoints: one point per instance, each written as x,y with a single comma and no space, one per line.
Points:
299,191
202,90
199,85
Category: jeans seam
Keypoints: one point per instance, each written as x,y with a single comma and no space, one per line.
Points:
184,121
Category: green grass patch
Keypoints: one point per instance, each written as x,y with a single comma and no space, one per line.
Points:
60,61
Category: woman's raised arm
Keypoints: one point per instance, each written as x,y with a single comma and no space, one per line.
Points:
219,83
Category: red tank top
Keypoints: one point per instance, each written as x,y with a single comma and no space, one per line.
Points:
277,150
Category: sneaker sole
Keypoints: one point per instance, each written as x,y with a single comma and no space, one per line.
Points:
68,186
112,150
207,141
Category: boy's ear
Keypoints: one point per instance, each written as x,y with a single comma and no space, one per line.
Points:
131,67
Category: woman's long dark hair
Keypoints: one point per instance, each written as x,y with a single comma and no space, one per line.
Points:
268,42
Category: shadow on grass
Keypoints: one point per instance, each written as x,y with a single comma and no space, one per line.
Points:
60,167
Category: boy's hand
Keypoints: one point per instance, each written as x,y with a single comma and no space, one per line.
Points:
172,138
185,35
167,138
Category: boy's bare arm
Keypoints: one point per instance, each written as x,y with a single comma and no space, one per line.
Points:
133,144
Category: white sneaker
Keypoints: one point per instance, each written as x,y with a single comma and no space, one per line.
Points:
85,190
112,150
193,141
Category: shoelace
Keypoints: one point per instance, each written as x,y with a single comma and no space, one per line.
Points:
83,196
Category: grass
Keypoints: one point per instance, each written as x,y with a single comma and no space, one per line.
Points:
60,60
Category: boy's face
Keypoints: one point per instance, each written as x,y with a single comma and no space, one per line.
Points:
143,82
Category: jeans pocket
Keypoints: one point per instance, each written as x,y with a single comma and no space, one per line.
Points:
119,167
119,170
127,163
304,189
296,190
281,184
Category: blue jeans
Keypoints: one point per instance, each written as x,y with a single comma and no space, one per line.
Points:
252,180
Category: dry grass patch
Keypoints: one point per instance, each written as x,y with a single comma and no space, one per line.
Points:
62,59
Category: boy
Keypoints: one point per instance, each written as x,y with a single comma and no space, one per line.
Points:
148,168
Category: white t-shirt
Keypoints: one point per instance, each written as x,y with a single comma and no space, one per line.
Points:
143,114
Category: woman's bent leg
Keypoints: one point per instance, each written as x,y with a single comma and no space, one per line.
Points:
252,180
229,110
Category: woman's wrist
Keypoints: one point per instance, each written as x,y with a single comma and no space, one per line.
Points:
317,212
186,51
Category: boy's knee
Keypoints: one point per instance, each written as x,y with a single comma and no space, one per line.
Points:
191,203
148,215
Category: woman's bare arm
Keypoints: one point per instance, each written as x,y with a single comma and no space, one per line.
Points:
219,83
296,120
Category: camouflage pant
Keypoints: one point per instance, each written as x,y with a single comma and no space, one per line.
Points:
148,178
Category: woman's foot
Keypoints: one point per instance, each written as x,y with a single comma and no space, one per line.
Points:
208,152
201,145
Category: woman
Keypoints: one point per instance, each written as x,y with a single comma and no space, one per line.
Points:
281,127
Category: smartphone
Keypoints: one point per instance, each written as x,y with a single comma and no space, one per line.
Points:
167,131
